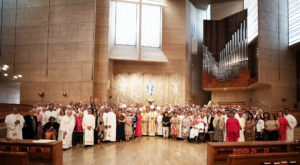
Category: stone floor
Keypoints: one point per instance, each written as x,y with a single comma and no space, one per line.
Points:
142,151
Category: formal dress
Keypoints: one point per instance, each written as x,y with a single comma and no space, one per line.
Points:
283,123
30,127
218,124
175,124
120,128
138,131
128,127
232,130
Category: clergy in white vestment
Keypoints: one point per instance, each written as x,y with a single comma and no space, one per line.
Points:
14,123
109,119
292,124
66,129
88,125
181,117
159,124
242,122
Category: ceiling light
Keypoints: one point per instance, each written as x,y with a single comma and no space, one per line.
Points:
5,74
15,77
20,75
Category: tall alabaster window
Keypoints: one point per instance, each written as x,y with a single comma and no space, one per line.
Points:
138,22
252,19
294,22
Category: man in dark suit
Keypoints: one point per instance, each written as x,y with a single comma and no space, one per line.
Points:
30,126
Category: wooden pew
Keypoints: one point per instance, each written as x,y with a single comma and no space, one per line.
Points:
6,109
217,152
14,158
38,152
259,159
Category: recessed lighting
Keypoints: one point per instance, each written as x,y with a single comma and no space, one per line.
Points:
15,77
20,75
5,66
5,74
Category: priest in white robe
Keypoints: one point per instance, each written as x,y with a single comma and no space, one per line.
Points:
14,123
49,113
242,122
292,124
159,124
88,125
66,129
109,119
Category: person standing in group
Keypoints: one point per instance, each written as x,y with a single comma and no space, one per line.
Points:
218,124
110,125
283,124
159,124
88,125
186,124
292,124
259,128
166,125
232,128
138,131
30,126
271,128
120,126
128,126
66,129
242,122
250,127
14,124
145,122
152,121
175,121
100,127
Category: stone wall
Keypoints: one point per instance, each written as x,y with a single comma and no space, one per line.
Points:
54,47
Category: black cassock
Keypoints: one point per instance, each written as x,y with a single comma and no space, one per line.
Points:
30,127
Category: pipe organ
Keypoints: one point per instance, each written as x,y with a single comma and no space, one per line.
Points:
231,57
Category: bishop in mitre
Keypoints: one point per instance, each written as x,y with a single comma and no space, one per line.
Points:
110,125
152,121
66,129
14,123
88,125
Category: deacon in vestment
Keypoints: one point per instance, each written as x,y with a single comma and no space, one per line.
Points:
109,119
292,124
14,123
145,122
152,121
242,122
66,129
88,125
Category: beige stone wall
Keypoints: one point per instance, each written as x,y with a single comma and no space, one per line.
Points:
54,47
276,64
220,10
101,50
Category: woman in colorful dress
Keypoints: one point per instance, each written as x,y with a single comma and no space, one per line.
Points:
283,123
250,127
218,124
175,121
128,126
138,131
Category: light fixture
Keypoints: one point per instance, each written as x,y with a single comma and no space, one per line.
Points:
5,74
20,76
15,77
65,94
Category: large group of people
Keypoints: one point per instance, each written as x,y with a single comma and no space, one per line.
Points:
94,123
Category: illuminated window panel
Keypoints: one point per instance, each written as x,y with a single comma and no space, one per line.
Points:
294,22
252,19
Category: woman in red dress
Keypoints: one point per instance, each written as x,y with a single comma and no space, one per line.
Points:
138,130
232,128
282,128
